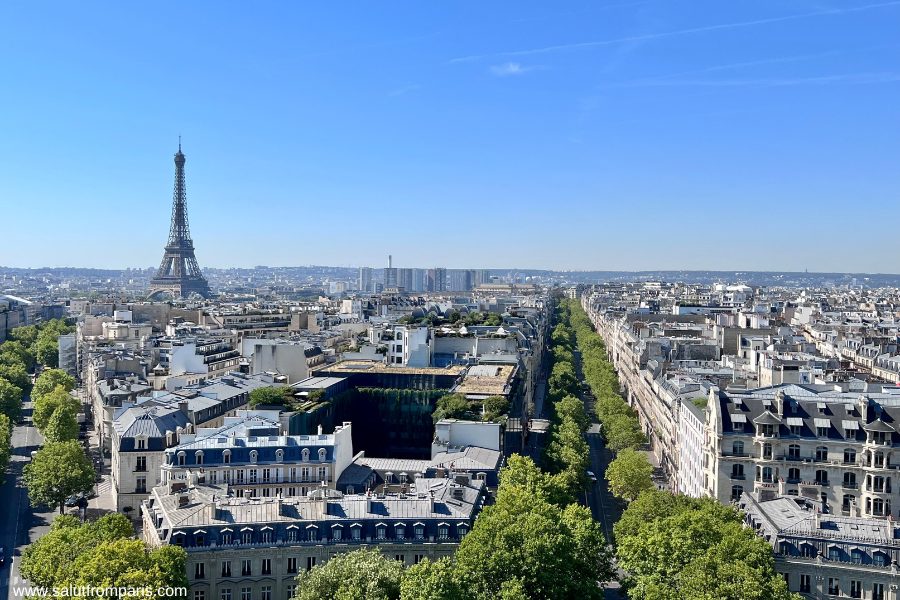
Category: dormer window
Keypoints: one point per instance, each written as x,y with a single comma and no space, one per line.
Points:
279,455
322,454
305,455
198,457
181,457
141,443
253,456
226,457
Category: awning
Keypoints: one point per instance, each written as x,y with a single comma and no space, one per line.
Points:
795,422
823,423
850,425
738,417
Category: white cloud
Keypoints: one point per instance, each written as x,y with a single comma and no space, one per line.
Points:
509,69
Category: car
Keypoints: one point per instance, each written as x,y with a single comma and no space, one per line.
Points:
2,557
591,475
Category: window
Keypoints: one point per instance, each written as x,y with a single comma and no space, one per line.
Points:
462,529
736,491
834,554
877,591
253,456
793,475
822,431
443,532
291,588
879,459
855,588
834,586
767,451
400,558
226,457
140,485
199,570
226,568
225,594
794,451
267,566
265,592
312,534
322,454
181,459
266,536
336,533
380,533
310,562
305,454
878,507
292,535
141,464
821,453
400,532
767,474
850,480
804,583
239,476
323,473
199,539
142,444
304,474
292,564
246,567
737,471
417,558
822,477
279,455
857,556
198,456
266,475
849,455
245,593
252,474
246,537
808,550
355,533
199,595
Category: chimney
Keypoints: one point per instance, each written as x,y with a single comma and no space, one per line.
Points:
781,486
779,403
369,501
324,489
183,406
431,500
279,503
320,429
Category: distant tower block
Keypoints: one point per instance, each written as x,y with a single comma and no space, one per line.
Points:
179,274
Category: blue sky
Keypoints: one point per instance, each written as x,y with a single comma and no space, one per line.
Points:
738,134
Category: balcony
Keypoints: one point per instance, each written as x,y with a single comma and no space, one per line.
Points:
850,485
738,476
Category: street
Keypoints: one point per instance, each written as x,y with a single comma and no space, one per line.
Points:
19,524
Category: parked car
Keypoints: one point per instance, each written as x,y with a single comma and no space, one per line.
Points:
2,556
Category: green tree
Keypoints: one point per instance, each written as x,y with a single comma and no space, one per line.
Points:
629,474
62,425
10,400
5,444
26,334
46,404
431,580
16,374
452,406
274,395
623,431
494,407
359,575
101,553
12,352
46,350
48,380
56,472
553,552
572,408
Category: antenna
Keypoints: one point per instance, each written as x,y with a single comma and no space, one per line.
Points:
179,143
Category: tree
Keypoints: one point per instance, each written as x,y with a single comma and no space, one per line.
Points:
16,374
48,380
623,431
273,395
100,553
451,406
694,548
46,350
62,425
10,400
359,575
5,444
431,580
629,475
12,352
57,471
553,552
494,407
572,408
46,404
26,334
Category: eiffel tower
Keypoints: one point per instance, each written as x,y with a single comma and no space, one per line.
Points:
179,274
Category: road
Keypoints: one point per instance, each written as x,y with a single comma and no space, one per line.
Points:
19,524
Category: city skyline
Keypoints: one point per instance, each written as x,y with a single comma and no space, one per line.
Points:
625,136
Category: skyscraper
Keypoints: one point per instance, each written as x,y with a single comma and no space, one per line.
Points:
364,284
179,274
